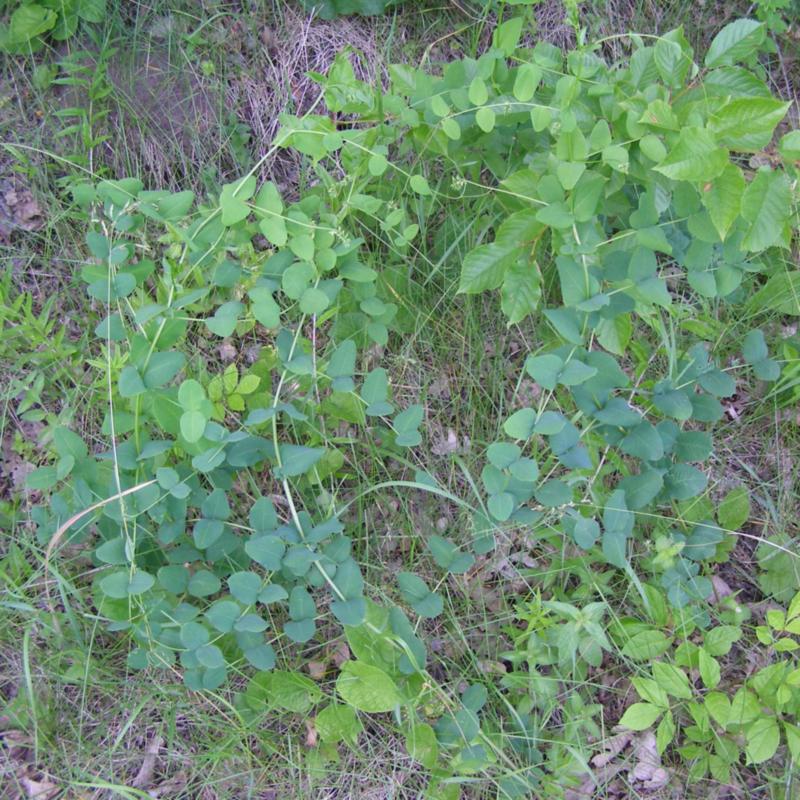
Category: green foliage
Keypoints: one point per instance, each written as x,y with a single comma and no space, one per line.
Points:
31,22
719,729
329,9
777,15
612,201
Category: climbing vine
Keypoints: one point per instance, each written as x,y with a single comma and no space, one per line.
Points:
606,201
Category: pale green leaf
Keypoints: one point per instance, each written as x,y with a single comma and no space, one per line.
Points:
722,198
766,205
747,123
737,41
696,156
763,738
367,688
521,291
484,268
640,716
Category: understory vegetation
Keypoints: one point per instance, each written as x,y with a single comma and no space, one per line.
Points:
399,400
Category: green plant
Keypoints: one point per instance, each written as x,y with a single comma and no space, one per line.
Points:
602,197
749,720
31,22
36,351
85,125
776,14
600,193
153,527
328,9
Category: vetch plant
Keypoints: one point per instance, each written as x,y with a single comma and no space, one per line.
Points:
608,201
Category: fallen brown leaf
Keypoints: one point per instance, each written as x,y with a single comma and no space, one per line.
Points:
17,745
341,653
317,670
144,777
612,748
18,210
311,734
42,789
171,787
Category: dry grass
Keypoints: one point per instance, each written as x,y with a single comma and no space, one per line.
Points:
279,81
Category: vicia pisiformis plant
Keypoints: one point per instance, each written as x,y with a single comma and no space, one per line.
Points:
608,202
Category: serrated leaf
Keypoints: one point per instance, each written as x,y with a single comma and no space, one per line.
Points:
722,198
737,41
766,206
746,124
792,739
665,732
718,641
672,680
485,267
709,669
789,146
696,156
671,62
290,691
